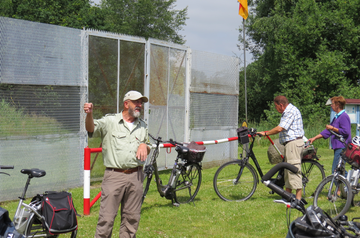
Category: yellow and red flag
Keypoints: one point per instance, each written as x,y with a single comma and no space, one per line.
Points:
243,8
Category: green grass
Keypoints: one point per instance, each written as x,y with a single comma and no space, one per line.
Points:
209,216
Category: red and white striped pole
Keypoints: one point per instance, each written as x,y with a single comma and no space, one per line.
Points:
87,159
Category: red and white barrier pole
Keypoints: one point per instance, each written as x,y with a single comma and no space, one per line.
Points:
87,159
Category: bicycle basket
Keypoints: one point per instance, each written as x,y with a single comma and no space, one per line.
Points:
352,154
309,152
196,152
273,155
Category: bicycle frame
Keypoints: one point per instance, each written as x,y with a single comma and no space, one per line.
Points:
250,154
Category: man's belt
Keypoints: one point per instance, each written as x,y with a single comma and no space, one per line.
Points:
126,171
297,138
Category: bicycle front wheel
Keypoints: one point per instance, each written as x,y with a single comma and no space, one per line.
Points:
146,185
188,183
312,174
235,181
36,229
333,195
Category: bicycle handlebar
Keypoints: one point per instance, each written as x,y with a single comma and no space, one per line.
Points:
339,137
289,197
277,167
6,166
159,140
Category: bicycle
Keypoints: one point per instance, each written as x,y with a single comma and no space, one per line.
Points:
237,180
28,219
185,179
314,222
335,194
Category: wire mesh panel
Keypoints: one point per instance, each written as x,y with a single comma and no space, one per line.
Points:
167,96
115,67
36,53
214,103
39,105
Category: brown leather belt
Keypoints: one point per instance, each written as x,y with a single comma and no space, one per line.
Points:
126,171
297,138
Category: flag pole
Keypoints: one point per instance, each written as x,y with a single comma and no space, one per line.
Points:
246,117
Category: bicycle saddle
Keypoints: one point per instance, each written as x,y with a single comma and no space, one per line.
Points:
34,172
182,149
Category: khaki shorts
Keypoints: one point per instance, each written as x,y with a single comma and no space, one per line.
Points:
292,156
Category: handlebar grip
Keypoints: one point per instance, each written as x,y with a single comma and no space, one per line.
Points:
277,167
6,166
284,194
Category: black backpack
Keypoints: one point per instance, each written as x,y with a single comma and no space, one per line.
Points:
59,212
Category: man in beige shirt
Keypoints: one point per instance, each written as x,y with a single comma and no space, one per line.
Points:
125,146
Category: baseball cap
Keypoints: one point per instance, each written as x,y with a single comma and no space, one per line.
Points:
135,95
328,102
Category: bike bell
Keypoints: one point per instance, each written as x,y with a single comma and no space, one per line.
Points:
356,140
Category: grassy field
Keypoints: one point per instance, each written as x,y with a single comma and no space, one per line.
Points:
208,216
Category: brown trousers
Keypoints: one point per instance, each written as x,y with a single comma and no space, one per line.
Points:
125,189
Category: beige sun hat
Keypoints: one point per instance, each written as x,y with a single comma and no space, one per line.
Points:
328,102
135,95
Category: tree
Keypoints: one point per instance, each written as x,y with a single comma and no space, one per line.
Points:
146,18
306,50
70,13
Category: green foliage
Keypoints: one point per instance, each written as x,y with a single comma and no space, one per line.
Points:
15,122
305,50
146,18
70,13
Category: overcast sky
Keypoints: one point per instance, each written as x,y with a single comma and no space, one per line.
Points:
212,26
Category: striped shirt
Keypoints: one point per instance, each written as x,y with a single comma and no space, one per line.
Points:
291,122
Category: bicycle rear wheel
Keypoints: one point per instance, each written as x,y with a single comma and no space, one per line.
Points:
188,183
333,195
235,181
36,229
312,174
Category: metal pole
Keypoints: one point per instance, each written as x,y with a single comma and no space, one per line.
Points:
246,117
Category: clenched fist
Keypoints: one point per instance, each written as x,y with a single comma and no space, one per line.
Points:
88,107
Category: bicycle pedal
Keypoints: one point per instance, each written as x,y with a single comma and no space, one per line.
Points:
176,204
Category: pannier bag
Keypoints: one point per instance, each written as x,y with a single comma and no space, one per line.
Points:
352,154
308,152
59,212
242,133
7,228
196,152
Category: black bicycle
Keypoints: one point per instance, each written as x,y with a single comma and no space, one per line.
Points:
314,222
185,179
237,180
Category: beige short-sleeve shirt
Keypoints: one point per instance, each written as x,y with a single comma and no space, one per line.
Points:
119,144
